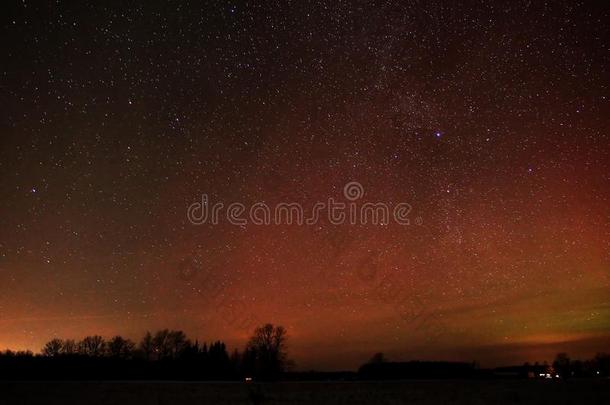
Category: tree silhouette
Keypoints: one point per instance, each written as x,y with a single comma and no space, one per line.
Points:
166,354
69,347
377,358
147,346
265,353
170,355
93,346
161,345
120,347
562,365
53,348
602,365
177,343
169,344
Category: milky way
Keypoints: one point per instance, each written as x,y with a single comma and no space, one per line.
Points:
490,120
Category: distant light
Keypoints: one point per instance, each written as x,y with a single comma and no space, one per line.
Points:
248,379
438,134
33,190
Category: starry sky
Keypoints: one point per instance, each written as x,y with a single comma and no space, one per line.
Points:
489,118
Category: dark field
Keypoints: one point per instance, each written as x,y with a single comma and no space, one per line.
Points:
394,392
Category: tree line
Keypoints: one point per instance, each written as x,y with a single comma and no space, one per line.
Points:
598,366
171,355
379,368
165,354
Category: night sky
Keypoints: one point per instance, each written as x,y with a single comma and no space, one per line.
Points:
489,118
